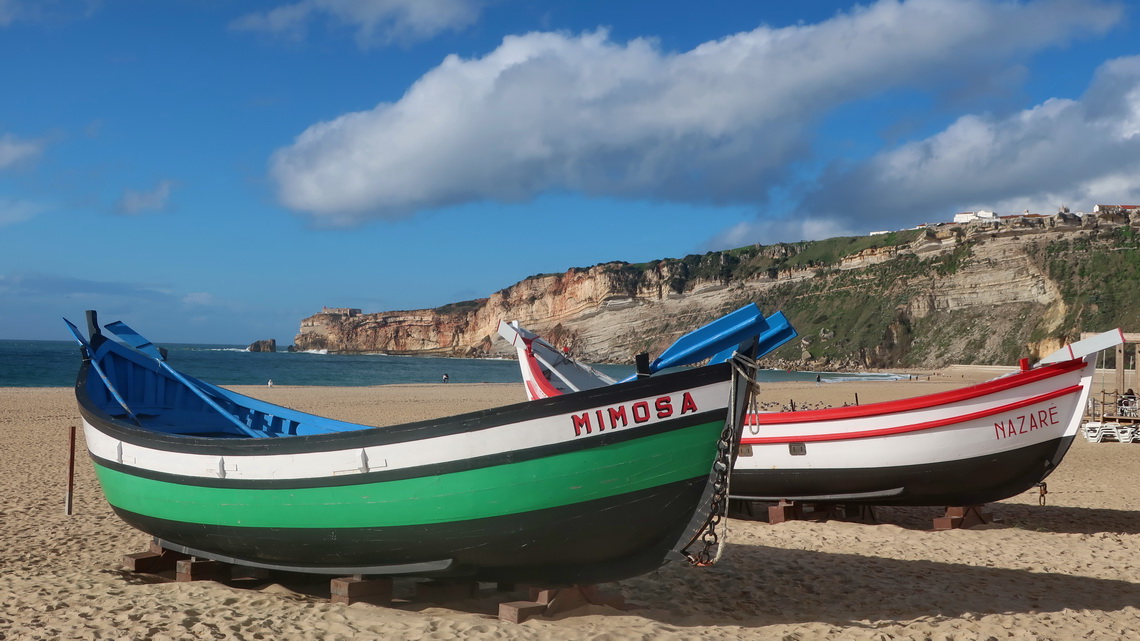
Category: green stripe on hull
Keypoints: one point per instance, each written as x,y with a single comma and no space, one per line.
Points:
501,490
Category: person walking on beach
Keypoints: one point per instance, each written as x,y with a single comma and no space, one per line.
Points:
1127,403
817,379
445,379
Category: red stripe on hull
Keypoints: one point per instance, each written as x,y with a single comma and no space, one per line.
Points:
920,402
901,429
544,388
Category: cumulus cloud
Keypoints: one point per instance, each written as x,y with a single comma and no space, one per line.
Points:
14,211
140,202
377,22
781,230
199,298
36,286
44,10
15,151
1079,153
719,124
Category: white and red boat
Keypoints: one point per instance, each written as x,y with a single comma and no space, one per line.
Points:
978,444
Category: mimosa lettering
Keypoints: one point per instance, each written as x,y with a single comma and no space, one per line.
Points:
622,415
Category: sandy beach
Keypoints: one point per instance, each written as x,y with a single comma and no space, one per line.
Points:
1067,570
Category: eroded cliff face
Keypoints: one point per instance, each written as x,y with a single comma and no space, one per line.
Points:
603,313
965,295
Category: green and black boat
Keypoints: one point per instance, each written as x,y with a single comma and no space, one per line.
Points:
594,486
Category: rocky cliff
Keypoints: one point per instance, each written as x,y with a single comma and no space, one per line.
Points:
986,292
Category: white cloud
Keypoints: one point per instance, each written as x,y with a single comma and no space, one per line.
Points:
9,10
719,124
138,202
44,10
15,151
377,22
1078,153
783,230
199,298
17,211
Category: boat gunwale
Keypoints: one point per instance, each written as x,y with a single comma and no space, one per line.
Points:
379,475
368,436
1000,384
545,387
909,427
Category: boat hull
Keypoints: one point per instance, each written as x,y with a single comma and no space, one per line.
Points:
626,535
589,487
976,445
967,481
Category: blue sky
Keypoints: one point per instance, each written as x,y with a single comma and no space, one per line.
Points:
212,171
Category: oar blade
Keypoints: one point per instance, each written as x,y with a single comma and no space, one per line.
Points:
134,339
701,343
77,334
779,331
99,370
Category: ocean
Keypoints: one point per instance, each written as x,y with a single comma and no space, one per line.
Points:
55,363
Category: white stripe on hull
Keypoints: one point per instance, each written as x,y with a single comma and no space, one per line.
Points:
551,430
1019,428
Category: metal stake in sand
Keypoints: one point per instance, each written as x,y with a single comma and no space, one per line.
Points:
70,468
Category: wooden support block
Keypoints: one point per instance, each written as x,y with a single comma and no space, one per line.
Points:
561,599
147,562
784,511
353,589
595,595
963,516
543,595
155,560
519,611
566,599
554,600
443,591
947,523
199,570
504,586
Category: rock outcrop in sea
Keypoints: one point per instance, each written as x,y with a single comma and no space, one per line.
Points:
267,345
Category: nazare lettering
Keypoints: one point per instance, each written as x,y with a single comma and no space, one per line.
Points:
1026,423
631,413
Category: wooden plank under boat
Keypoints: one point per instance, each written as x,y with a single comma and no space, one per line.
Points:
585,488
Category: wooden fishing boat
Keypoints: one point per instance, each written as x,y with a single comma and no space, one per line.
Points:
969,446
548,371
590,487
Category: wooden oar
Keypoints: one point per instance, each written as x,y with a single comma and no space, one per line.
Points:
99,370
136,340
779,332
724,333
701,343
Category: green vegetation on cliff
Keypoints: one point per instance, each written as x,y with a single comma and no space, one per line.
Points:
867,316
982,294
1099,277
754,261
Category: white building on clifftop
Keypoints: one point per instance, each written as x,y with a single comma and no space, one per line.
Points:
969,216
